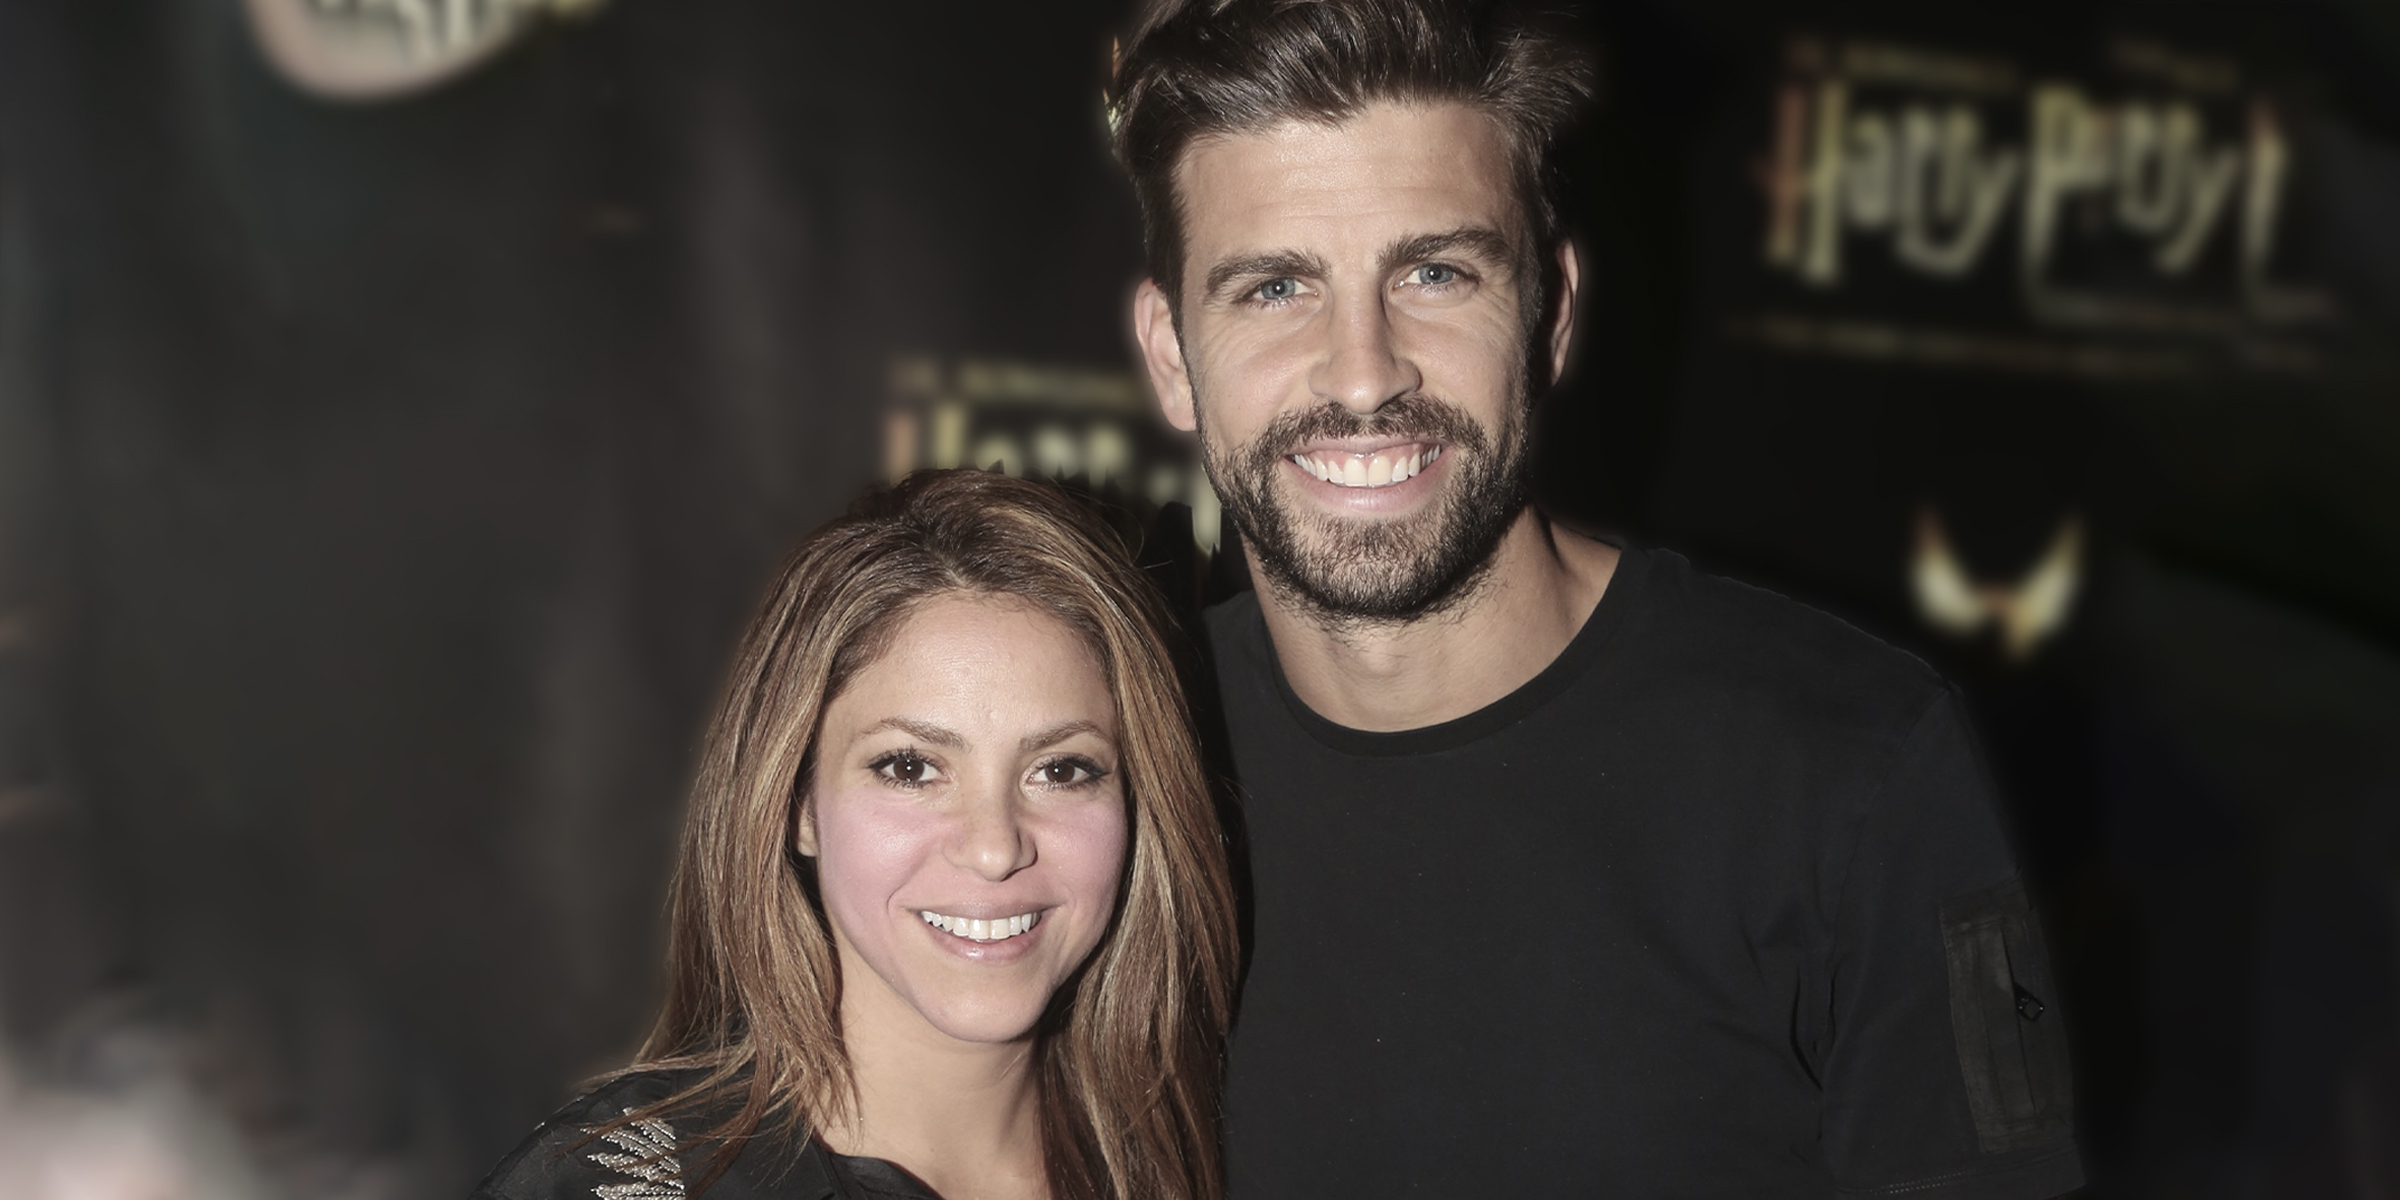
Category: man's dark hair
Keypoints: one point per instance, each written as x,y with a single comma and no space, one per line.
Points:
1201,68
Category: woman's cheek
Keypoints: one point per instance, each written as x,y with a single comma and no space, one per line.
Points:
867,848
1086,848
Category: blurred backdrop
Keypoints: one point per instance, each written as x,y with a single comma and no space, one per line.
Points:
401,401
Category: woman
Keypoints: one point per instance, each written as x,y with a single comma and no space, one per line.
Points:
951,916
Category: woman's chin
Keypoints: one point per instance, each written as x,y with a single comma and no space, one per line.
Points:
993,1023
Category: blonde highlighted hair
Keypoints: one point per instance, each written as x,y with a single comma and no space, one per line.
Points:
1130,1053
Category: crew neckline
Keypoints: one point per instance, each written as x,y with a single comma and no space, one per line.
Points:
1572,663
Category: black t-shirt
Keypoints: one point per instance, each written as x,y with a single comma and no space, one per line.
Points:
1716,905
652,1158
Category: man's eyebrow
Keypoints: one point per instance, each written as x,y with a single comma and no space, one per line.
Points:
923,731
1059,733
1273,265
1479,241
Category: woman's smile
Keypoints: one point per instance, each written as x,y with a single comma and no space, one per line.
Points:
978,929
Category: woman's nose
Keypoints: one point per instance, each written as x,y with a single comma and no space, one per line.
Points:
992,839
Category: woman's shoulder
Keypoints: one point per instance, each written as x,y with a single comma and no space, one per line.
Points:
579,1155
589,1151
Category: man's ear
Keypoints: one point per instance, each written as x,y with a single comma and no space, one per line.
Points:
1162,353
804,829
1562,309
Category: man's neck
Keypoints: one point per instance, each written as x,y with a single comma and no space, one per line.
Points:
1543,583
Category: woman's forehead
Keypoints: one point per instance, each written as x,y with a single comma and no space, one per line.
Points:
997,666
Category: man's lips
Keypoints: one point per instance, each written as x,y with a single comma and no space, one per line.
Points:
1367,466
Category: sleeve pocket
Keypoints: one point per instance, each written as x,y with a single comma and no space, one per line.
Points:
2011,1043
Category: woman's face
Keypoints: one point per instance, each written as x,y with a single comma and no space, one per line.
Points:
967,815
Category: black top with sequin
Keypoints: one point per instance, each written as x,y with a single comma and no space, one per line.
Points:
565,1159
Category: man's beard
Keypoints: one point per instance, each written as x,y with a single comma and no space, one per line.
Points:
1376,570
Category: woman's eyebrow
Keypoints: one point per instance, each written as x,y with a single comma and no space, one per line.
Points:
1271,265
923,731
1059,733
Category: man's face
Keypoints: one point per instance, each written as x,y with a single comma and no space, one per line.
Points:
1353,350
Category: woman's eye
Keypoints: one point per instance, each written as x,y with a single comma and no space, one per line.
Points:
1278,289
1436,274
1067,772
906,768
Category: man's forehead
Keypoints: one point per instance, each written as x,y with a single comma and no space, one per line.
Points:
1395,167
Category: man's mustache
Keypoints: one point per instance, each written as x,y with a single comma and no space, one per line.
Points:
1416,417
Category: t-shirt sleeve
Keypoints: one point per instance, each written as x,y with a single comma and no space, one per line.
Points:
1946,1072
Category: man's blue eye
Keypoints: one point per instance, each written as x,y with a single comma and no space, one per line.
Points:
1435,274
1278,289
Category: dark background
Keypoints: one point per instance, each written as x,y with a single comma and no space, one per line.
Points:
382,485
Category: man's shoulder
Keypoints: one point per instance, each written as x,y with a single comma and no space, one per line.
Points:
1235,614
1681,628
1233,635
1738,642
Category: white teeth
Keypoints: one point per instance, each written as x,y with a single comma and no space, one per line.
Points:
979,929
1368,471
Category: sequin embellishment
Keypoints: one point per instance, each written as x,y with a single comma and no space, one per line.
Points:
650,1164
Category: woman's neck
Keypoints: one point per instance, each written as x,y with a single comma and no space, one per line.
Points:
964,1117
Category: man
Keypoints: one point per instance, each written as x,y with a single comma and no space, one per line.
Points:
1575,871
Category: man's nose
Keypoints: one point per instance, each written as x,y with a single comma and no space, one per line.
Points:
992,839
1365,366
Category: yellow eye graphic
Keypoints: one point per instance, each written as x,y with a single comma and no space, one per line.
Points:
2029,611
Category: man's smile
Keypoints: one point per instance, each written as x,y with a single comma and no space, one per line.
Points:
1377,468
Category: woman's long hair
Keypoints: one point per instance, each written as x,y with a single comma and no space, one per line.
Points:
1129,1054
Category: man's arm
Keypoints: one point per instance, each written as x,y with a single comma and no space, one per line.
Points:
1946,1071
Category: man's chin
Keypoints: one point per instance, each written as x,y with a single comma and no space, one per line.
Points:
1396,573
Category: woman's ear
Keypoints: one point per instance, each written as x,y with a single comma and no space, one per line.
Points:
804,829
